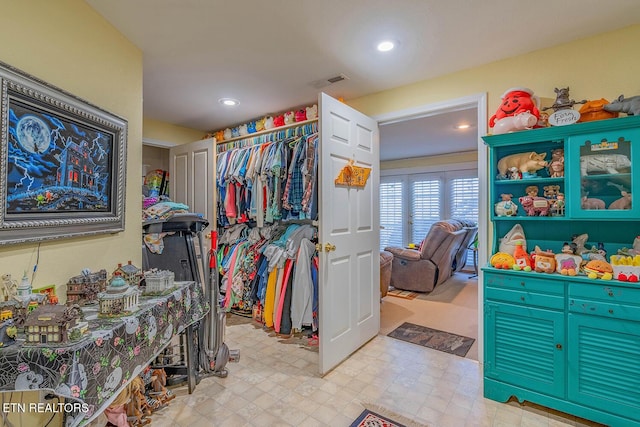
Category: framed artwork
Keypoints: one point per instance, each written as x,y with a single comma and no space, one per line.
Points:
63,163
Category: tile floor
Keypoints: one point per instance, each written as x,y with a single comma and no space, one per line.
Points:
277,384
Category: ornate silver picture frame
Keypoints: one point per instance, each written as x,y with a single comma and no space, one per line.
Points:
63,163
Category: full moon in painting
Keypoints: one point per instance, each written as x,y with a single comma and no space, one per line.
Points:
34,134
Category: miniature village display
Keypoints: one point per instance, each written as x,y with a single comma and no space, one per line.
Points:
84,288
119,298
54,325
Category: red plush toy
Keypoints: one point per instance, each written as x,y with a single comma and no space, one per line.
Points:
301,115
515,101
278,121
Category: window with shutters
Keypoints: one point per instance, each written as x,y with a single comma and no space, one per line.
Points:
411,203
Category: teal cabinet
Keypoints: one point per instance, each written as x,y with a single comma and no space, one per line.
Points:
566,342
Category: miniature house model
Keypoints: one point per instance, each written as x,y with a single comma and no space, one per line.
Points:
119,299
158,282
50,325
130,273
84,288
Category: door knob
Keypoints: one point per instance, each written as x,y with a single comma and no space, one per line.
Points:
328,247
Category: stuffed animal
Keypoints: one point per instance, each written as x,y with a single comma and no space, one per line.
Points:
235,132
243,130
268,122
219,136
289,117
515,101
278,121
312,112
301,115
260,124
227,133
631,106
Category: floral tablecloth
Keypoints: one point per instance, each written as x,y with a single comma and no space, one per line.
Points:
95,369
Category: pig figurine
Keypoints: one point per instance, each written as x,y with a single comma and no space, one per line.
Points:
521,121
591,203
534,205
603,163
631,106
623,202
527,163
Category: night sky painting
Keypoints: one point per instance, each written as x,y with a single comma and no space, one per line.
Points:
54,164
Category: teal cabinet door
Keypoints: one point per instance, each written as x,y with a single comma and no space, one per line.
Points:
602,176
525,347
604,364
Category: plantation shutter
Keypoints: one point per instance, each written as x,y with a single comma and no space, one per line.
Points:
464,204
425,206
392,215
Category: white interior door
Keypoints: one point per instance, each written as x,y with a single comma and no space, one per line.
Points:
191,174
349,276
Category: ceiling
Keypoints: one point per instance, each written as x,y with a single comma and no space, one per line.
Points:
275,56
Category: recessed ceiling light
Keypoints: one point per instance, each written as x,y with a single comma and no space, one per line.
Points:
229,102
465,126
386,46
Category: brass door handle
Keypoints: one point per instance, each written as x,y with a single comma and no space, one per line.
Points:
328,247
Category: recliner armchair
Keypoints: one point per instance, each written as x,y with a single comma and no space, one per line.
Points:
422,270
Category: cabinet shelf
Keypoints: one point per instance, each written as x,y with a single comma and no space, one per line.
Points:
531,181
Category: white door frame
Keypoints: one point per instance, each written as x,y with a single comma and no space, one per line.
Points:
478,101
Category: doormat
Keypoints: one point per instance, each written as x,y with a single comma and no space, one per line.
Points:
379,416
433,338
399,293
368,419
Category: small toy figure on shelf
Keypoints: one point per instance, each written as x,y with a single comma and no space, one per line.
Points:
556,165
557,205
568,264
563,112
514,173
506,207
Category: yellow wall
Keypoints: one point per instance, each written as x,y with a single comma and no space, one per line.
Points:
166,132
68,44
603,66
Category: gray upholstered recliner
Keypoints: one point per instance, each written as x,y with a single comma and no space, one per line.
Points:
461,257
421,270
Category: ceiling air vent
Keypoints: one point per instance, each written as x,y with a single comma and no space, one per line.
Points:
319,84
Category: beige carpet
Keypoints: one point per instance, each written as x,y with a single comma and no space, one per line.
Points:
452,307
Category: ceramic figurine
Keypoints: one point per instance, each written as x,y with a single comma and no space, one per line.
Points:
84,288
9,287
528,162
515,101
631,105
119,299
506,207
